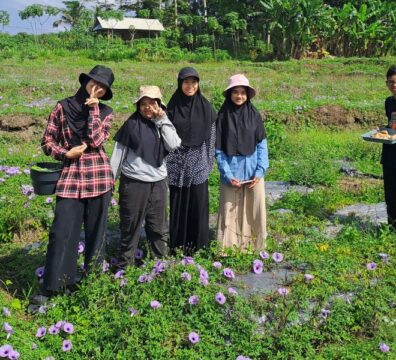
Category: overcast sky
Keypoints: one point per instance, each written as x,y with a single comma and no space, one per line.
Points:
17,25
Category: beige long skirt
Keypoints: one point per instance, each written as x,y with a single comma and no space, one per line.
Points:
242,221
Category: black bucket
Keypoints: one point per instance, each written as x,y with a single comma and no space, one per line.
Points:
44,177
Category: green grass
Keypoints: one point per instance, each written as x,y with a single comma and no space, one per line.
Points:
300,152
283,87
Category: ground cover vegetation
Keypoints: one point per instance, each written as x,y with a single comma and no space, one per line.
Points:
340,303
199,31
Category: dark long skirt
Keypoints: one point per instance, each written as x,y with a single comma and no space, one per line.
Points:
62,251
189,217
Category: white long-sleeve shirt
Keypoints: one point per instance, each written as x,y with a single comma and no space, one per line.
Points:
124,160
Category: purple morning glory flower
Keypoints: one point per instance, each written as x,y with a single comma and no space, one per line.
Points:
60,324
113,202
155,304
26,171
384,257
139,254
193,300
241,357
132,311
228,273
188,260
193,337
8,328
105,266
119,274
68,328
232,291
220,298
5,350
41,331
384,348
325,313
81,247
13,355
67,345
204,282
26,189
49,200
123,282
6,311
258,266
371,266
53,330
40,271
277,257
203,274
308,277
185,276
159,267
143,278
42,309
283,291
12,170
217,264
264,255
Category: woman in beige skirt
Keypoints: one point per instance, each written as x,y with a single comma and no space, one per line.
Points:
242,159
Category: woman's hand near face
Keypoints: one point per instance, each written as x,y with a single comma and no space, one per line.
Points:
96,93
157,111
76,152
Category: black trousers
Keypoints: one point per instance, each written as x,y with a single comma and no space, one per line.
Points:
189,217
390,193
62,251
142,201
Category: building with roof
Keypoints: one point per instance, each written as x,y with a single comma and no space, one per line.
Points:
129,28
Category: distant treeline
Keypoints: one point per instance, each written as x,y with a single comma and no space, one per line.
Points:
201,30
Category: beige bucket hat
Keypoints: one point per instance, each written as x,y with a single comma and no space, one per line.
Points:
150,91
240,80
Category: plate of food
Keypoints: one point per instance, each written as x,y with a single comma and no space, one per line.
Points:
382,135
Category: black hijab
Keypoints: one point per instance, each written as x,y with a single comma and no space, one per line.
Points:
239,128
192,116
141,135
77,113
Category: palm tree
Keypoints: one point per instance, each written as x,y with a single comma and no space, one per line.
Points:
71,14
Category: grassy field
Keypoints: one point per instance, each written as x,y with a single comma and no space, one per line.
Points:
346,312
284,88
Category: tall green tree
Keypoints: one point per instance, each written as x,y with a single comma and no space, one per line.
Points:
4,18
38,14
72,14
293,25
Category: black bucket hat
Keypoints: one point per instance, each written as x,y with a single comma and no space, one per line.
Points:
101,74
187,72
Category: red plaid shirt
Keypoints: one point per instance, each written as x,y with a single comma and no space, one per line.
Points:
91,174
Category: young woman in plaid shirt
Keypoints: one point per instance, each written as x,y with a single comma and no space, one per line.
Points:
76,130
